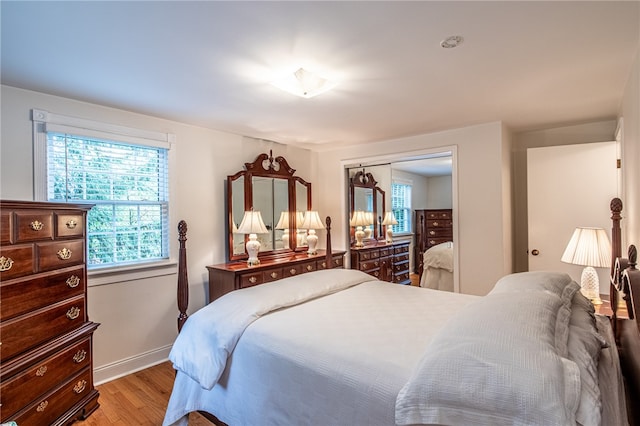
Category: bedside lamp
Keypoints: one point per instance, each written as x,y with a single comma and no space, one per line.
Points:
312,222
388,221
283,224
589,247
252,224
359,219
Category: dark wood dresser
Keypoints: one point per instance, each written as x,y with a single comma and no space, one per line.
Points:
226,277
387,262
46,369
433,227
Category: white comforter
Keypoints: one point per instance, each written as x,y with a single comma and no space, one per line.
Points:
333,360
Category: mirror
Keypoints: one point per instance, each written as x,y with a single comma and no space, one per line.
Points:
365,195
267,185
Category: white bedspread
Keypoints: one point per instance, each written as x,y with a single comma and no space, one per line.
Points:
437,271
357,348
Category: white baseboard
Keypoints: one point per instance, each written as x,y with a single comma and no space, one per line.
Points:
123,367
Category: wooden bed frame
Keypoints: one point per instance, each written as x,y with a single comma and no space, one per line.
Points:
625,287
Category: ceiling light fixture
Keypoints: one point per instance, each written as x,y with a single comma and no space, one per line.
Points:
451,42
304,83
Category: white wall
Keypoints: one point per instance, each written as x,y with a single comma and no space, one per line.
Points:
630,112
138,316
599,131
484,242
439,192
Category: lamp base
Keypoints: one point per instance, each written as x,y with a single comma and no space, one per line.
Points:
389,235
359,234
253,247
590,285
312,241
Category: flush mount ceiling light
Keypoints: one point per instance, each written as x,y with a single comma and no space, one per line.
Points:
451,42
304,83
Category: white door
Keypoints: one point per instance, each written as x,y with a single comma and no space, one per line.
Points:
568,186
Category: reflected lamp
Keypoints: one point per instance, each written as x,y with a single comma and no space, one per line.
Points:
388,221
283,223
312,222
358,220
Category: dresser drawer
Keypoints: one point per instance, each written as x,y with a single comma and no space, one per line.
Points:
386,251
272,275
6,223
435,241
16,261
337,263
375,273
45,410
401,249
439,214
69,225
24,332
369,265
369,254
24,388
439,232
402,278
292,270
400,267
440,223
249,280
18,295
308,266
59,254
401,257
33,226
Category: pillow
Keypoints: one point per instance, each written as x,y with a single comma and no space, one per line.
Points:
495,363
554,282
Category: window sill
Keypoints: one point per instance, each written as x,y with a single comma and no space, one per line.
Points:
119,274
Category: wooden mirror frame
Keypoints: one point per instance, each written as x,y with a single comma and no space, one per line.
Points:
362,179
265,166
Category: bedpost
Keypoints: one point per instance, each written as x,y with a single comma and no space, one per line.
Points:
631,274
183,281
616,252
328,256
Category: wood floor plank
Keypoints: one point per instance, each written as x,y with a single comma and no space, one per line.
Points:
140,398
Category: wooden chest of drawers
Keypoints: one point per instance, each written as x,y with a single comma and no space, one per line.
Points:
387,262
433,227
46,374
227,277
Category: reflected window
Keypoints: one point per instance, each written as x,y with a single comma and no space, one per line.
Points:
401,206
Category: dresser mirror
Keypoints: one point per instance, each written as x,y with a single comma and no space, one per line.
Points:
267,185
366,196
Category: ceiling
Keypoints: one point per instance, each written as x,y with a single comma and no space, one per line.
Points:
529,64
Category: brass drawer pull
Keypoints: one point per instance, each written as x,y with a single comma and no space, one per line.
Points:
71,224
5,263
80,386
365,266
432,232
292,271
435,224
64,254
253,279
73,313
309,268
80,356
40,408
36,225
274,275
376,273
73,281
41,370
324,265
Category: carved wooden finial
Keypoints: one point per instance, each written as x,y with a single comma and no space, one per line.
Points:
182,231
633,256
616,207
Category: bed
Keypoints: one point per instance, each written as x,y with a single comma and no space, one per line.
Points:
333,347
437,267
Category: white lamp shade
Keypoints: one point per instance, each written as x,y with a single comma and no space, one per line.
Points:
312,220
359,218
369,218
299,219
588,247
252,223
389,219
283,223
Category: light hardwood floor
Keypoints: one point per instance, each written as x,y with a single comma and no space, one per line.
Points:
137,399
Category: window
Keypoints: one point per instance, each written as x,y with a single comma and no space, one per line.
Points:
128,183
401,206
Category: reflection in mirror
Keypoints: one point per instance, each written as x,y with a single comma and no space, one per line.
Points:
302,205
367,197
237,213
267,185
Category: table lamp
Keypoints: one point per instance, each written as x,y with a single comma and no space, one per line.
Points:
388,221
589,247
359,219
283,224
312,222
252,224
